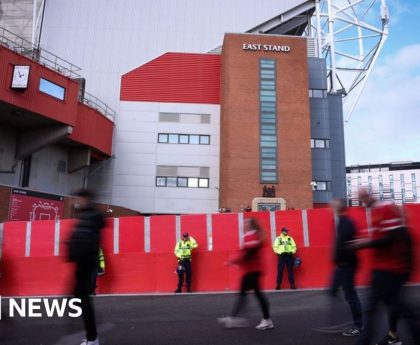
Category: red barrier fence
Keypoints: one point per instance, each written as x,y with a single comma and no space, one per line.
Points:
139,251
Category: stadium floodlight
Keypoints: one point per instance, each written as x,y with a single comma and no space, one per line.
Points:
350,35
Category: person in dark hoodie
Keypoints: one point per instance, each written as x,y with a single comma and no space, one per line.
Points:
83,251
345,260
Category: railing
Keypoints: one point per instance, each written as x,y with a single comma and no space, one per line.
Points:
44,57
50,60
95,103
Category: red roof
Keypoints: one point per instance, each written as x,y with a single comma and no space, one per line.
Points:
174,77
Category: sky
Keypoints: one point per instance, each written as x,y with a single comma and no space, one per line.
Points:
385,126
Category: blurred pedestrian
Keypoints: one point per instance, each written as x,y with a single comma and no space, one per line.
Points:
345,260
183,252
83,251
250,261
285,248
392,262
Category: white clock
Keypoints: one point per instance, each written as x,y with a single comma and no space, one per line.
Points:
20,77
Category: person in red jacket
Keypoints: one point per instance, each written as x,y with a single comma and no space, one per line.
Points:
392,262
250,261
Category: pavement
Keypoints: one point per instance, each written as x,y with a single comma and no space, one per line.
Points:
191,319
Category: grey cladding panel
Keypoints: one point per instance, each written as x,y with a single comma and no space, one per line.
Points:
338,163
317,73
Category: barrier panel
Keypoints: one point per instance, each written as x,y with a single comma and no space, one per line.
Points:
131,235
34,254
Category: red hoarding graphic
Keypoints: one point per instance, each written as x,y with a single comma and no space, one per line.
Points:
27,205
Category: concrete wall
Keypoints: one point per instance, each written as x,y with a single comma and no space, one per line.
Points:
8,141
138,154
46,175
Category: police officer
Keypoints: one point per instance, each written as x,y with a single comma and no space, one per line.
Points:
183,250
285,247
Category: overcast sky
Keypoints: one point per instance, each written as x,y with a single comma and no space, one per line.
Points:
385,125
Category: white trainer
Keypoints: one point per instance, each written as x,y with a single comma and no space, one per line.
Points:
233,322
87,342
265,324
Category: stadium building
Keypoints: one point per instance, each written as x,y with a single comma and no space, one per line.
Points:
198,126
396,181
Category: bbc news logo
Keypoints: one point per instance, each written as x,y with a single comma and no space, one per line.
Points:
42,307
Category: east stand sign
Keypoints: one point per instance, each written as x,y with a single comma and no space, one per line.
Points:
265,47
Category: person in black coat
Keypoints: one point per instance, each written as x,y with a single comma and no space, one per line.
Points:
345,260
83,251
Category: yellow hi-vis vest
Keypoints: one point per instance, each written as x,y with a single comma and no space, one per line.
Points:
183,248
284,244
101,258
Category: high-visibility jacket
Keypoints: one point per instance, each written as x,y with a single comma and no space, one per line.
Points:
183,249
101,258
284,244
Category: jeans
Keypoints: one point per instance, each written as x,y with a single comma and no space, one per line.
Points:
285,260
250,281
344,276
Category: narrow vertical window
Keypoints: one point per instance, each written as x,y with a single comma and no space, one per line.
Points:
391,186
402,188
268,121
381,188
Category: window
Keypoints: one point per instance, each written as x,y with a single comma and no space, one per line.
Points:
314,93
182,176
204,139
414,186
171,181
52,89
162,138
182,182
161,181
320,144
321,185
194,139
381,187
391,186
183,139
192,182
171,138
268,121
402,187
349,187
203,183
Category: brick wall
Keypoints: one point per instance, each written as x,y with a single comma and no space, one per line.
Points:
239,152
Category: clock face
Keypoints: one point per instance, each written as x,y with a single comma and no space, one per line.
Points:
20,77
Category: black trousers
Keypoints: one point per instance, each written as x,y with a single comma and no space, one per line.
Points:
285,260
250,281
83,291
344,276
187,270
387,288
